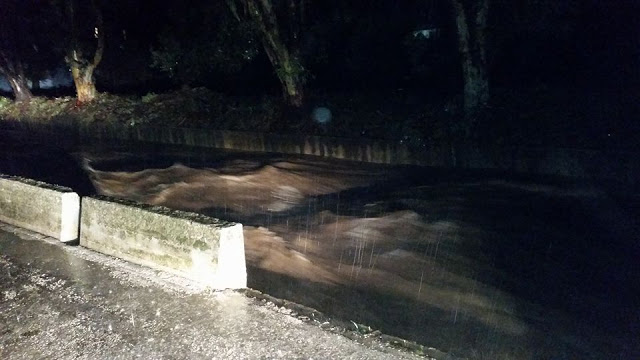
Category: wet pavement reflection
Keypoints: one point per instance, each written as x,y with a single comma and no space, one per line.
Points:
61,302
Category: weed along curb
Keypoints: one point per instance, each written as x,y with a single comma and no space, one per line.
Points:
206,250
47,209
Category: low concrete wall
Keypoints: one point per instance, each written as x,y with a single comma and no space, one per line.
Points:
374,151
207,250
619,165
40,207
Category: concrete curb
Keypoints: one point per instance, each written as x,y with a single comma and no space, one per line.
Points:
206,250
47,209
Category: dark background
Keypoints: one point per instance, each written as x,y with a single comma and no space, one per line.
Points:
559,72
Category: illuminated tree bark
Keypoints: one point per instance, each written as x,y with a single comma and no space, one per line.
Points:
13,71
14,47
284,56
471,24
81,68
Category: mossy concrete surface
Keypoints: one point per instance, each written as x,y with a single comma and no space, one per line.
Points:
207,250
44,208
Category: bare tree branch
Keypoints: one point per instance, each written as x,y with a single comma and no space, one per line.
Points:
99,32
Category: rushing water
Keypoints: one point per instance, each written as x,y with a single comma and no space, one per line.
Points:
480,265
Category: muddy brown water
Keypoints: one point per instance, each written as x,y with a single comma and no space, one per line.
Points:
481,265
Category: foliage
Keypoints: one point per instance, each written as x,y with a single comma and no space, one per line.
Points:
149,97
4,102
25,43
202,43
279,27
168,57
535,117
432,61
38,109
295,70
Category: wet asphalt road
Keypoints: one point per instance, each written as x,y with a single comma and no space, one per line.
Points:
66,302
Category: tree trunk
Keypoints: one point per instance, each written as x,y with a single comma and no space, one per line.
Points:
20,89
289,73
285,59
14,73
83,80
35,83
82,68
471,45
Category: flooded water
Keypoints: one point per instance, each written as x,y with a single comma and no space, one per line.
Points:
481,265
